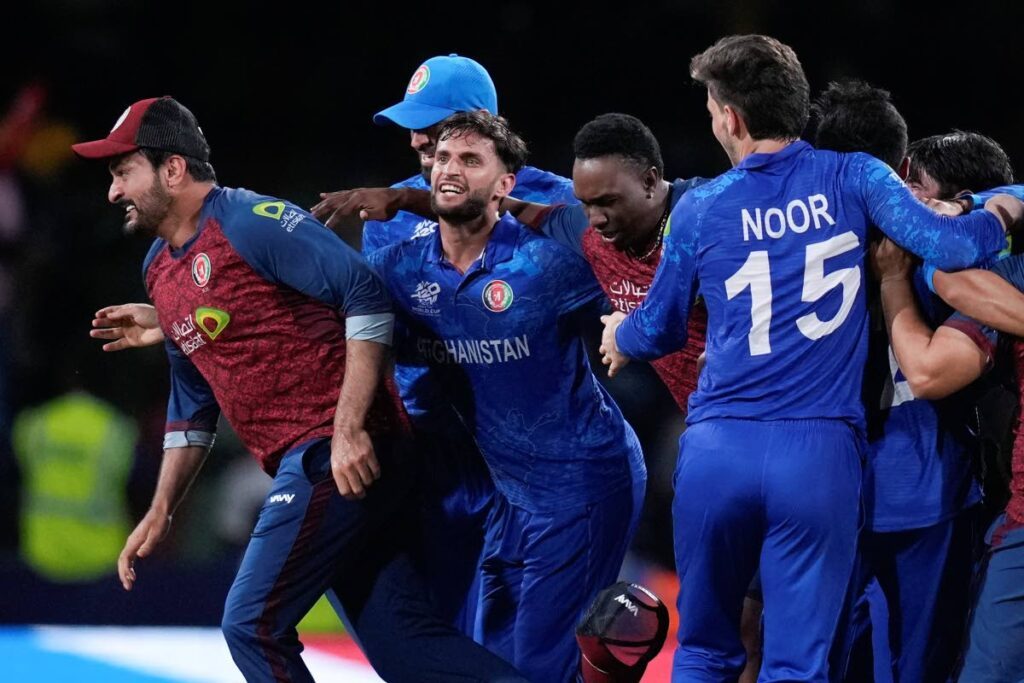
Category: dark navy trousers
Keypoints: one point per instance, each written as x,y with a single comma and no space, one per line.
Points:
309,540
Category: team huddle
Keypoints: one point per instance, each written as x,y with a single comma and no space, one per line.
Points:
450,473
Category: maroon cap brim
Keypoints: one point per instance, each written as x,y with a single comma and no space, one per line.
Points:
102,149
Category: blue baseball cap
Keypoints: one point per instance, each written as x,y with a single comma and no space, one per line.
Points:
440,87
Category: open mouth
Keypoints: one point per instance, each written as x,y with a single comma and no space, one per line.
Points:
450,189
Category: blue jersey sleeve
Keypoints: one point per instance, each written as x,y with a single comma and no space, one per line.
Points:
192,410
287,246
979,198
658,326
565,224
947,243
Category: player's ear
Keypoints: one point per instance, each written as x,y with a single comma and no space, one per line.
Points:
174,170
733,122
506,183
650,179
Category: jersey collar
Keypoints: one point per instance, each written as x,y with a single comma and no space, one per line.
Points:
500,247
204,214
783,155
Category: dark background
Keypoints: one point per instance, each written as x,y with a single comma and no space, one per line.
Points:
285,95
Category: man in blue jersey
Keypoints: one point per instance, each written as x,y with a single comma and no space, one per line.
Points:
919,492
769,467
459,492
494,310
938,362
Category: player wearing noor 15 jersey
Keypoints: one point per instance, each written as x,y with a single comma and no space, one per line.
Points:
494,310
769,468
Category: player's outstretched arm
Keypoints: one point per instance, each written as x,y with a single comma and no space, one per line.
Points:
127,326
371,204
178,469
984,296
936,363
353,460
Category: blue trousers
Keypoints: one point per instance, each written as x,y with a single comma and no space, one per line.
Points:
784,495
309,540
541,571
995,640
456,493
925,577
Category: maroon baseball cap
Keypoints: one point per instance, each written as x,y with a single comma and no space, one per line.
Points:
159,123
623,630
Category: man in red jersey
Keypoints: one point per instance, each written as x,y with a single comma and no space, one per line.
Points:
269,317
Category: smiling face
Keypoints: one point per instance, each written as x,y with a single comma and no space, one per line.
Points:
137,187
613,191
467,178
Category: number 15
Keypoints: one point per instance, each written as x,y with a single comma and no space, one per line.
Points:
755,274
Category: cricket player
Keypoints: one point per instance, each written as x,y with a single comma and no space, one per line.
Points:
769,471
271,319
495,310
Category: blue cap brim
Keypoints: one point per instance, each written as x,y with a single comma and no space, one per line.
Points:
412,115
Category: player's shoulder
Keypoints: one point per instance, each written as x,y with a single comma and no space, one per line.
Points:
417,182
544,187
540,249
388,257
700,197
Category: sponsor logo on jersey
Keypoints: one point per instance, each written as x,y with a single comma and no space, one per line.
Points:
201,270
419,80
424,228
184,334
282,498
279,211
497,296
212,321
269,209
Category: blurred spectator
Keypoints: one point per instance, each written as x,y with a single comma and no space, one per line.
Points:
75,453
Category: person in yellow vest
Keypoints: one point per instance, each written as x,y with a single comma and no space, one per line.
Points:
75,453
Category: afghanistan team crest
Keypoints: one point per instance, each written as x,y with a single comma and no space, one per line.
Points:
419,80
201,270
497,296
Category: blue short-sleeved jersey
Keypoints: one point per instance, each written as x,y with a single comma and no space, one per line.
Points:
533,185
778,245
919,471
502,344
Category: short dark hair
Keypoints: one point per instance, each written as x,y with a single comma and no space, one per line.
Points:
762,79
619,135
960,161
199,170
853,116
510,147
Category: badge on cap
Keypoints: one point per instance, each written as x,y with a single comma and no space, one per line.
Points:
121,119
419,80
